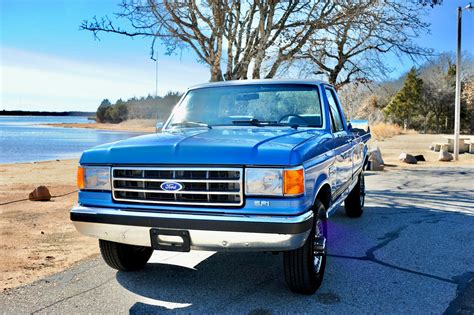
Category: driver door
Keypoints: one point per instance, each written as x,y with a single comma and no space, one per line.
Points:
342,145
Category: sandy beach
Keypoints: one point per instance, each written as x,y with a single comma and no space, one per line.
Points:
37,238
136,125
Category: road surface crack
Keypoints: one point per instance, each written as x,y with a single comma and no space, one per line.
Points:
387,239
72,296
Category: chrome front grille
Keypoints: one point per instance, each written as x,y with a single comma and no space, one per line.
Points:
200,186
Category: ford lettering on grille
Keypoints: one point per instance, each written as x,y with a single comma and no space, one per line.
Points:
171,186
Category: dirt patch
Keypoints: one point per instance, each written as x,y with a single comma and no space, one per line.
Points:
37,239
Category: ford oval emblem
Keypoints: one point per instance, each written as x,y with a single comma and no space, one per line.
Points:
171,186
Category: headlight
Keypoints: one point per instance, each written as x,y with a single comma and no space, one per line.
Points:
263,181
274,182
93,177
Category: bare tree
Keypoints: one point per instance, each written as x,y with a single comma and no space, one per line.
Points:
468,98
351,50
237,35
351,97
439,80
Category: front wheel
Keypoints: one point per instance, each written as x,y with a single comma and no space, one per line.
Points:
354,203
124,257
304,267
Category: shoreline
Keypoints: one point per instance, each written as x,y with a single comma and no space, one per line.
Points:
136,126
38,162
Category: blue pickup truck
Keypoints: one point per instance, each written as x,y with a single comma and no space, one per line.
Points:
254,165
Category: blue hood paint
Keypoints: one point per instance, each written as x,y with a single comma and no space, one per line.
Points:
217,146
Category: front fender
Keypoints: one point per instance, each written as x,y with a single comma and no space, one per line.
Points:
317,176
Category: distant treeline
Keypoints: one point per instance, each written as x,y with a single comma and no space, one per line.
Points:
150,107
37,113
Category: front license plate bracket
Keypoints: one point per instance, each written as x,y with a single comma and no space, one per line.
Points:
170,240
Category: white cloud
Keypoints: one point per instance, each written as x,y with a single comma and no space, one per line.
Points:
32,81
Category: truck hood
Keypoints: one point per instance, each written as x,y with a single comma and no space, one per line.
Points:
217,146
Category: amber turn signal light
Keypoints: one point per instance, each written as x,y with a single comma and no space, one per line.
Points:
80,178
293,182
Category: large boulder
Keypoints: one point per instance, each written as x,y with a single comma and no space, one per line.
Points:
445,156
376,155
375,159
376,166
407,158
41,193
420,158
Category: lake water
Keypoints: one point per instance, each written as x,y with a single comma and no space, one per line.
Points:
24,139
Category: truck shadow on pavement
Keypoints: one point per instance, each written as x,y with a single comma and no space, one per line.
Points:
399,239
208,286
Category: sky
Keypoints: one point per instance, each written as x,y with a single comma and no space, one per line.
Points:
48,64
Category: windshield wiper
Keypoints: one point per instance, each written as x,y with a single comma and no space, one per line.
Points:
191,124
256,122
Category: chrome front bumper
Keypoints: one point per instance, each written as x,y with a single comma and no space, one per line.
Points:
206,232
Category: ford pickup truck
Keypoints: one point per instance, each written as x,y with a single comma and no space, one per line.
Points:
255,165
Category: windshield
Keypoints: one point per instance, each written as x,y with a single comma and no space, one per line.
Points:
260,105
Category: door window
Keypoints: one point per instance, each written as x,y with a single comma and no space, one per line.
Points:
334,111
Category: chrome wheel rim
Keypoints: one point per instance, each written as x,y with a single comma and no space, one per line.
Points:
319,246
362,190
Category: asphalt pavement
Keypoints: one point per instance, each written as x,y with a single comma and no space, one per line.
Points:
411,252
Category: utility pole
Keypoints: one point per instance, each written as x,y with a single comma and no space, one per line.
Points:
457,104
156,75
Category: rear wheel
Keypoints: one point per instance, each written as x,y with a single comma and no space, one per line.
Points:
304,267
354,203
124,257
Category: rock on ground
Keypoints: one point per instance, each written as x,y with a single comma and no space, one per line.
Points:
375,158
376,155
407,158
41,193
445,156
420,158
376,166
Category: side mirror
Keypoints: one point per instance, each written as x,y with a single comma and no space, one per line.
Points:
349,126
158,126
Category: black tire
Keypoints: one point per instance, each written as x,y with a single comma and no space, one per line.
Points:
354,203
303,274
124,257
